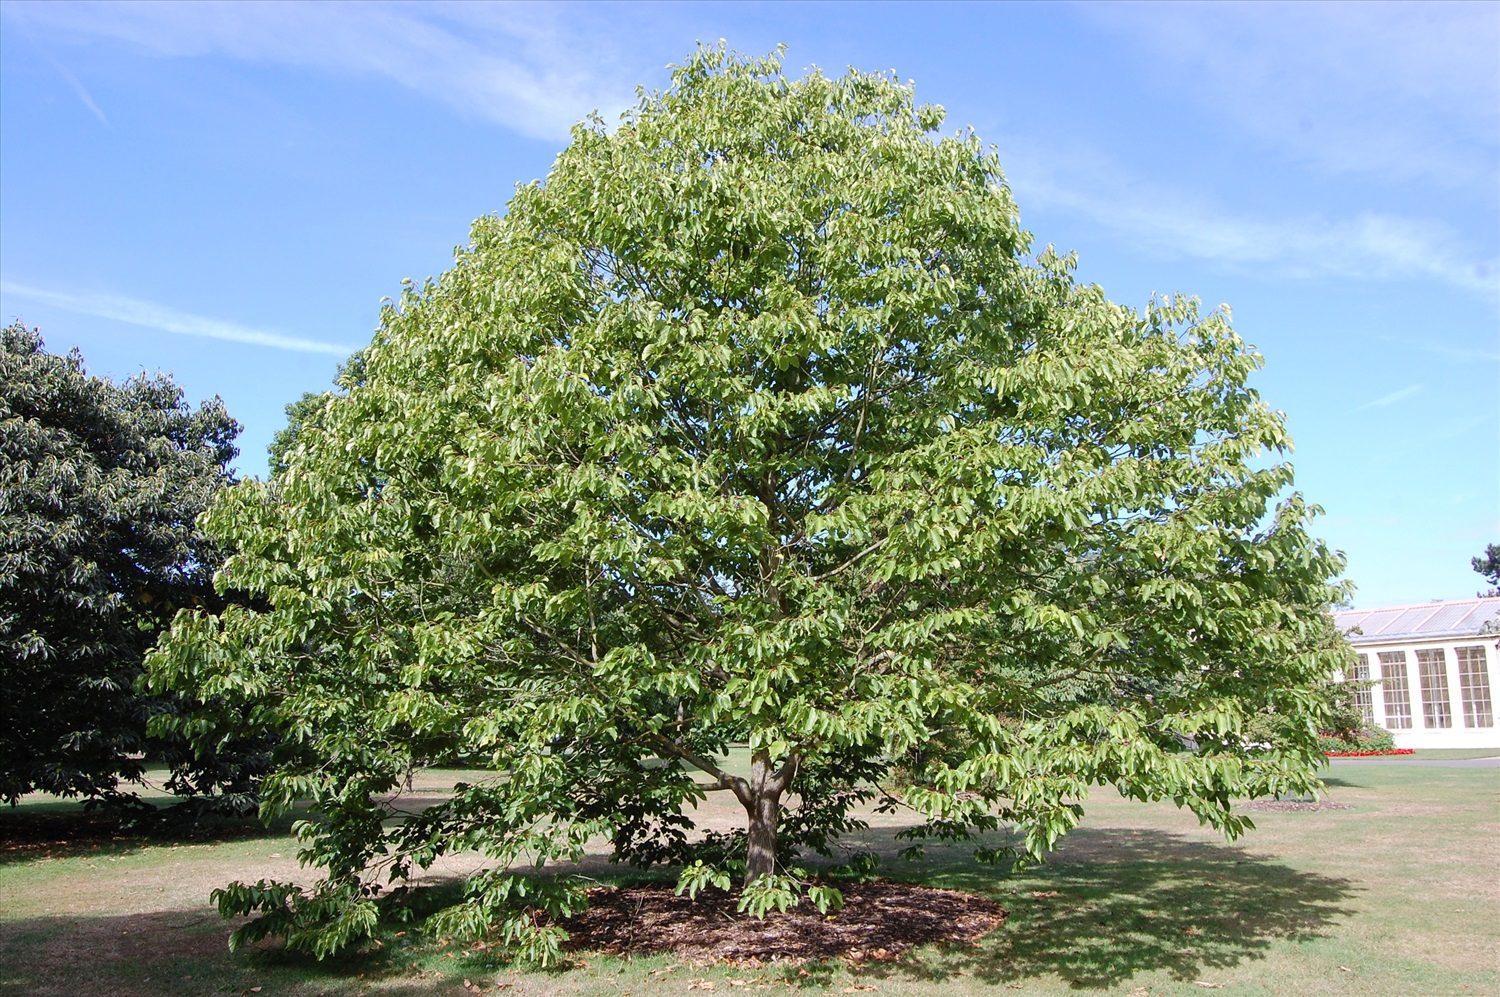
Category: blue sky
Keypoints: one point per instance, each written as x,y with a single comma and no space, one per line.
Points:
227,193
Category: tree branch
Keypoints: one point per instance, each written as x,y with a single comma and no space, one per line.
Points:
782,777
852,561
722,779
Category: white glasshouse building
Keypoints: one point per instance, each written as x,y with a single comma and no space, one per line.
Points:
1433,667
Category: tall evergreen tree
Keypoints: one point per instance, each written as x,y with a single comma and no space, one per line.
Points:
1489,567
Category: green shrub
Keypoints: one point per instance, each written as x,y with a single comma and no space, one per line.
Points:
1368,739
1275,729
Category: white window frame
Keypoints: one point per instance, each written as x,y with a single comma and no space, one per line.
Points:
1395,688
1477,702
1364,693
1432,685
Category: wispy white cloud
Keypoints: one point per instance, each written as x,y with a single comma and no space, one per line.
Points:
1384,401
1178,224
162,318
1394,91
83,94
521,65
72,81
1399,91
1445,349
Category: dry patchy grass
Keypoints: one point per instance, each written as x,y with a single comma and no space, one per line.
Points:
1397,894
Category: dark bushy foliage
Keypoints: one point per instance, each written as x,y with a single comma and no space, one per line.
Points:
101,485
1489,567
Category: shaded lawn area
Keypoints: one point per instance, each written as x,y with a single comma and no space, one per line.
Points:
1398,894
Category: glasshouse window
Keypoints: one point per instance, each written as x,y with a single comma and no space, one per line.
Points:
1432,673
1363,697
1474,687
1397,693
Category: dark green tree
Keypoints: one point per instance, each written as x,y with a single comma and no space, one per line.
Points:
1489,567
100,487
758,420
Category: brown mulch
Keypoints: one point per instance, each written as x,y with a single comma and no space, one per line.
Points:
1293,806
880,921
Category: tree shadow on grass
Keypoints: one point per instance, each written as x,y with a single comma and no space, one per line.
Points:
1116,904
123,955
186,951
31,835
1333,782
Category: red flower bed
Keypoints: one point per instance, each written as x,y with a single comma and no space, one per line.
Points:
1370,754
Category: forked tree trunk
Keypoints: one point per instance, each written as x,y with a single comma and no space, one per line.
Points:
761,798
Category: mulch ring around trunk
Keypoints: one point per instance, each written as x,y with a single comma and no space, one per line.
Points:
880,921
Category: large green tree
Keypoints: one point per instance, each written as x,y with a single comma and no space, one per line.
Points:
100,485
757,421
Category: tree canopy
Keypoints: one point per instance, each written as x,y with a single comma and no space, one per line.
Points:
100,485
758,421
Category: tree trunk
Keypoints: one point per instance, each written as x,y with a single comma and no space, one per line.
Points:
761,798
763,811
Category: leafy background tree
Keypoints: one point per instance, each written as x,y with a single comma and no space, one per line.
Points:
100,487
305,409
758,421
1489,567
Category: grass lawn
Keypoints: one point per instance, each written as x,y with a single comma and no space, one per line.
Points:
1397,894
